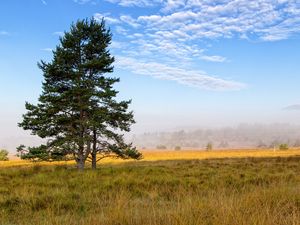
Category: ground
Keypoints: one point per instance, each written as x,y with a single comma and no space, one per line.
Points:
167,187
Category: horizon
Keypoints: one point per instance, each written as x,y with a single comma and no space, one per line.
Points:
183,63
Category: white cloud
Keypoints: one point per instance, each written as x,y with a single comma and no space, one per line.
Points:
213,58
180,30
129,20
107,18
44,2
121,30
274,37
267,20
162,48
151,18
58,33
172,5
137,3
83,1
191,78
47,49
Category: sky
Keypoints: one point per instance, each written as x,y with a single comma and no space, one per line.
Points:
184,63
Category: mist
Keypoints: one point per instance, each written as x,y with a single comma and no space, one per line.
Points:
192,130
240,136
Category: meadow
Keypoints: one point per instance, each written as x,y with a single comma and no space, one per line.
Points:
241,187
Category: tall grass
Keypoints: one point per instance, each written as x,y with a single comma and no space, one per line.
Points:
242,191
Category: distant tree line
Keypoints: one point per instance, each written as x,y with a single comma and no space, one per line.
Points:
242,136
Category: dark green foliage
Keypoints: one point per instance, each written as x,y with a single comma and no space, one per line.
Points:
3,155
42,153
77,111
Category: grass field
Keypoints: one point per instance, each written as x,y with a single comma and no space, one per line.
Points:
258,187
155,155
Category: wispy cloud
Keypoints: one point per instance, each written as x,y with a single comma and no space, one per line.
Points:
129,20
192,78
138,3
177,30
292,107
213,58
108,19
82,1
58,33
4,33
47,49
44,2
171,5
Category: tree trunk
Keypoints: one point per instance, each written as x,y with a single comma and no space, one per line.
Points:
80,165
80,159
94,161
94,151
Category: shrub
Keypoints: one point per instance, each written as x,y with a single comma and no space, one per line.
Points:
283,147
161,147
177,148
209,146
3,155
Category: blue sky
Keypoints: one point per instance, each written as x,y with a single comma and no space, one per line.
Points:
184,63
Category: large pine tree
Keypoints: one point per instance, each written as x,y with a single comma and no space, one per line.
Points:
77,111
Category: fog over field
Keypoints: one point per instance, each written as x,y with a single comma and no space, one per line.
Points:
241,136
225,137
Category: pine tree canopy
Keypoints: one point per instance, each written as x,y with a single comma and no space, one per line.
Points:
77,111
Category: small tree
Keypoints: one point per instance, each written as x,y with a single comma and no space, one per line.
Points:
3,155
209,146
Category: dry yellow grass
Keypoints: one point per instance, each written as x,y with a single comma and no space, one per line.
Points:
19,162
155,155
